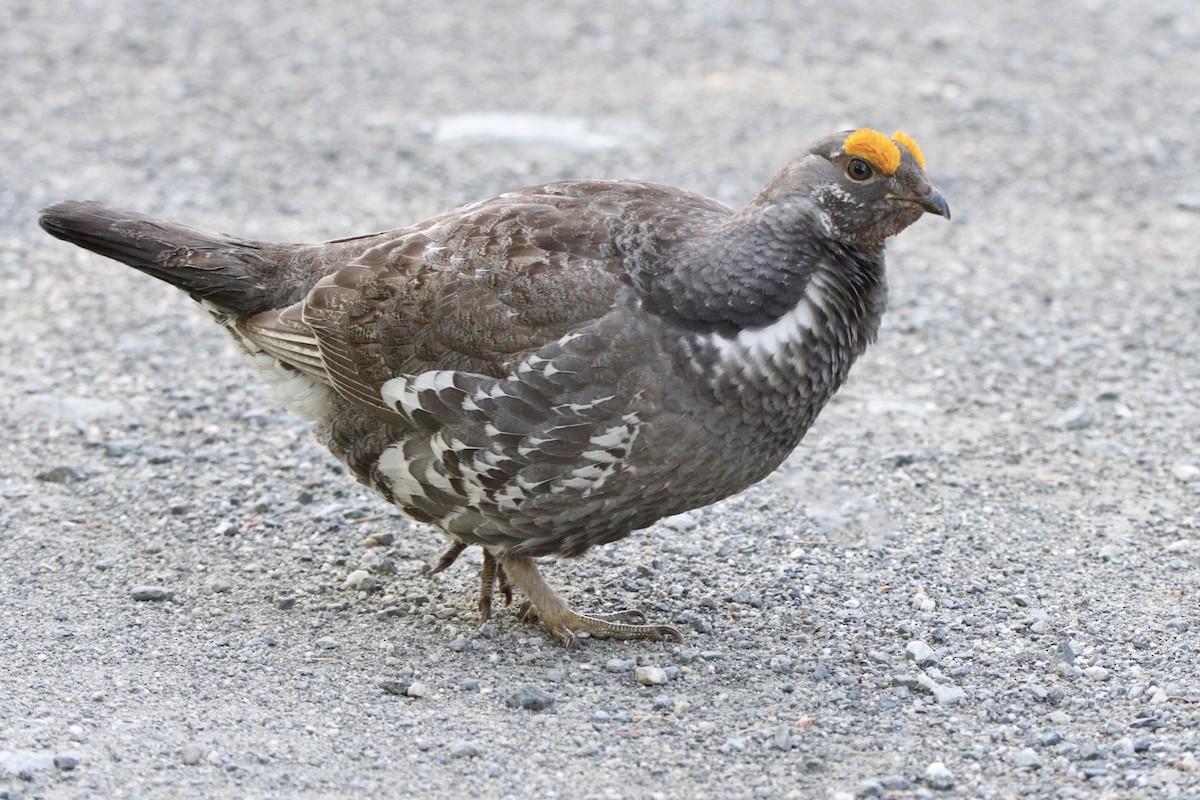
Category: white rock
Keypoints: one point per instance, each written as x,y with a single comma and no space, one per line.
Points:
921,653
1185,472
362,580
938,777
650,676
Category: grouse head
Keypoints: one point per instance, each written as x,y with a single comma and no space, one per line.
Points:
862,185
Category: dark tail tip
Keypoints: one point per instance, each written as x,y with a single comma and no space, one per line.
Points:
208,266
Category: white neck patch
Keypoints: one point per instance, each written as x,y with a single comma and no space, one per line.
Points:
762,343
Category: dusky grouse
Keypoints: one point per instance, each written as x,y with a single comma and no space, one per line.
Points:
553,368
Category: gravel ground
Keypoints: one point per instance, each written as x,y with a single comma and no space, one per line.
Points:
977,577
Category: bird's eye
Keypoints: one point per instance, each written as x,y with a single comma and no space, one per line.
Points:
859,170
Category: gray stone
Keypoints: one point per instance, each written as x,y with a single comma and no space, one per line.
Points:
150,594
192,754
921,653
530,698
945,695
783,737
62,474
361,580
461,748
399,688
869,788
734,745
66,408
65,762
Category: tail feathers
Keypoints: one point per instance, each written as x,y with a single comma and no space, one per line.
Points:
209,266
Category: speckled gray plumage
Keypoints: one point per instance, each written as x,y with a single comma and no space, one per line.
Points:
555,367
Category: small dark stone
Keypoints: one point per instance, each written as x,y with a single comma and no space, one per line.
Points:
62,474
66,763
395,687
380,540
530,698
150,593
287,602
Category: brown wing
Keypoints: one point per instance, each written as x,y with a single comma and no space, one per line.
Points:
474,290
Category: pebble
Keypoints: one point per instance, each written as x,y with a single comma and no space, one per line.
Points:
869,788
937,776
923,602
572,133
921,653
650,676
399,688
1188,202
461,748
1027,758
530,698
150,593
1076,419
416,690
1096,673
192,754
327,643
783,737
943,694
65,762
618,665
361,580
1185,472
734,745
63,474
66,408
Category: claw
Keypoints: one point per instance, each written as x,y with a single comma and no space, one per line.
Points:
449,557
544,604
491,577
563,623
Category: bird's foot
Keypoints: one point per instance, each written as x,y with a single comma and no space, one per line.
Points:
492,577
567,625
449,557
564,624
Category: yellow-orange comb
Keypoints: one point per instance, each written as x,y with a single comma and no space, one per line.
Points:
904,140
876,148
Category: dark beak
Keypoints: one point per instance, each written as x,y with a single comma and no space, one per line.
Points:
934,203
